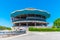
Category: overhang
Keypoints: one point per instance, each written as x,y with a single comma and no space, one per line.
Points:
21,12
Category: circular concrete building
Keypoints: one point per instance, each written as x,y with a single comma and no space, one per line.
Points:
29,17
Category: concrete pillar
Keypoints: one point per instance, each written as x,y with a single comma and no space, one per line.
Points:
19,24
27,24
27,28
35,24
42,24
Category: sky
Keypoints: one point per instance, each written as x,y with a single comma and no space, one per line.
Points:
8,6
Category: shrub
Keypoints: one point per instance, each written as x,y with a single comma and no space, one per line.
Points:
53,26
43,29
4,28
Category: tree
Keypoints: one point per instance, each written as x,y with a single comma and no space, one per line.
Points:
57,23
4,28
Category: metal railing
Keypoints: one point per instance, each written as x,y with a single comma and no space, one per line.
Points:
29,19
12,32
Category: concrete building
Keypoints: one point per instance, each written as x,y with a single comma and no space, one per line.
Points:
29,17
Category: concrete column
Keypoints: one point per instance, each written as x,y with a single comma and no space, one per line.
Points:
42,24
35,24
19,24
27,24
27,28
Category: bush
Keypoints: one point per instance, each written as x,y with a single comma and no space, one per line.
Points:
43,29
4,28
54,27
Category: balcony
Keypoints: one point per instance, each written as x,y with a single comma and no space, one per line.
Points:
30,18
34,18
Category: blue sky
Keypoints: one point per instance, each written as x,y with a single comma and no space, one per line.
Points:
8,6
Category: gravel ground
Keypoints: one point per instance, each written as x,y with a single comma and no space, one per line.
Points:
38,36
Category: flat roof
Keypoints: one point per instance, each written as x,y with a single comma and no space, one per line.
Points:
30,11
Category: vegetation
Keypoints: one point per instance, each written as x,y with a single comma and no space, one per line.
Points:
54,26
57,23
43,29
4,28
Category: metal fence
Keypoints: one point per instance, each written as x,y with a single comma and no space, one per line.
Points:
12,32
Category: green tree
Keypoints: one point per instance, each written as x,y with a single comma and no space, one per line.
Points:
57,23
4,28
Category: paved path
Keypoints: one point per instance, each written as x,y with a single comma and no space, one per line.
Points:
39,36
